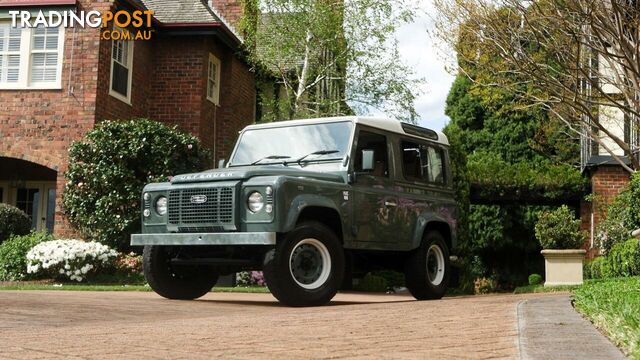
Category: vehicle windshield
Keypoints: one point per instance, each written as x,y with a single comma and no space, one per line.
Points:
315,143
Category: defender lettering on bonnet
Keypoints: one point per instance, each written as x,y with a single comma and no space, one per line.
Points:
310,203
212,175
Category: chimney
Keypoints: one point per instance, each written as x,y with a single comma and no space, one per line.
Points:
229,10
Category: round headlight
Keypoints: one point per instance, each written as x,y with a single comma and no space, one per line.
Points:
255,202
161,205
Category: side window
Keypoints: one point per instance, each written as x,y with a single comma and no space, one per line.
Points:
377,143
413,165
436,165
422,163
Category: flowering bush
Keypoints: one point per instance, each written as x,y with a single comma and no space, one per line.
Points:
130,264
250,278
109,167
68,259
484,285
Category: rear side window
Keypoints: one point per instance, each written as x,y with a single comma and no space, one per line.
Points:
422,163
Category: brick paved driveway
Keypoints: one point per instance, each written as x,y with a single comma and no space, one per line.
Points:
131,325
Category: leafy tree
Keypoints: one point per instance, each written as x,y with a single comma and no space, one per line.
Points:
327,53
109,167
509,147
574,59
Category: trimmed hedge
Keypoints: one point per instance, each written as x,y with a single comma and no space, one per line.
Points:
13,221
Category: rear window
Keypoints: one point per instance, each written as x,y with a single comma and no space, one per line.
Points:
422,163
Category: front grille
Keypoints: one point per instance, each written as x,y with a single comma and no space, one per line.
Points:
194,208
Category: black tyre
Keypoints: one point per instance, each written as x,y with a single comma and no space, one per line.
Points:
306,267
175,282
427,269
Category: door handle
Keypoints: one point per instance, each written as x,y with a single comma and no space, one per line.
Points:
390,203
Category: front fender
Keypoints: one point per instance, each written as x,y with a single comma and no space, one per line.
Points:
301,202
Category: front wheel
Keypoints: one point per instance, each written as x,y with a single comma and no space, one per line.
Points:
175,282
306,267
427,268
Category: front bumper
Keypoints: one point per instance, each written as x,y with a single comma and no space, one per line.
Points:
231,238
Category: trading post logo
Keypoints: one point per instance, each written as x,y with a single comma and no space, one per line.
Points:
134,25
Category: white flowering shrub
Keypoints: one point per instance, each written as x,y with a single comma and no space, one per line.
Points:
68,259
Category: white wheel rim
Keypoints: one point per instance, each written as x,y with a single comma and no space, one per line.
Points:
310,264
435,265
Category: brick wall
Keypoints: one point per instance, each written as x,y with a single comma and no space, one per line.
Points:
220,124
235,115
606,184
111,108
168,85
39,125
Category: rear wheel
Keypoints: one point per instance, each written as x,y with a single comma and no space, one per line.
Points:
427,268
175,282
306,267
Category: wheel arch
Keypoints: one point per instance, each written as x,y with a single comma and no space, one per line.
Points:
434,223
318,209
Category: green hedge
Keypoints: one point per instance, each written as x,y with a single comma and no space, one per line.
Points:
111,165
13,255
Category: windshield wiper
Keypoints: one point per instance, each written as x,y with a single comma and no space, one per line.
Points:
319,152
270,157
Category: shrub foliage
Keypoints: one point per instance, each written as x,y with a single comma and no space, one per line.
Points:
559,229
13,255
13,221
623,216
621,261
111,165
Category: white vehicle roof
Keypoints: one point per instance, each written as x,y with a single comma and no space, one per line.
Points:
390,125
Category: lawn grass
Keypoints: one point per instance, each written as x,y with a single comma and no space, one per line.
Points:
613,305
119,287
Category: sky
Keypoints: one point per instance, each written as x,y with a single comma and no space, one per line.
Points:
418,51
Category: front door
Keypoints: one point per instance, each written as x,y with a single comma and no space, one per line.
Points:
375,201
38,201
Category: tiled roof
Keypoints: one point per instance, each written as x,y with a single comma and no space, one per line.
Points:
181,11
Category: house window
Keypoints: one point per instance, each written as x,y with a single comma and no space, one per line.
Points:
31,58
213,80
121,69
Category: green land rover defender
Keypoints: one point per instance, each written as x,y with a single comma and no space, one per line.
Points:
311,203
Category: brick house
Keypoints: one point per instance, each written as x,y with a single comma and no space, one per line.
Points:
57,83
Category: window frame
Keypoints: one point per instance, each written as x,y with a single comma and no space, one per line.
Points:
24,68
215,96
129,66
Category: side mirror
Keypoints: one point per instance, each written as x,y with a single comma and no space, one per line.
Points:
221,163
368,160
